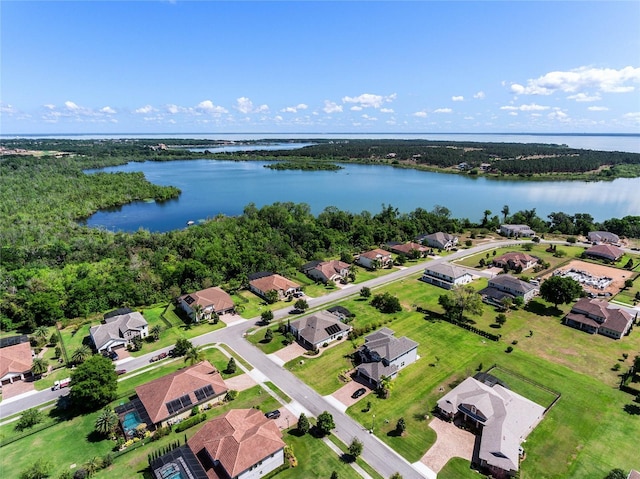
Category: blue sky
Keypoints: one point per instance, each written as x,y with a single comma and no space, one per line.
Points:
316,67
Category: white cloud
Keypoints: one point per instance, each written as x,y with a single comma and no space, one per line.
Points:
457,98
601,79
331,107
370,118
635,115
7,109
50,106
277,118
294,109
529,107
480,95
513,113
71,106
386,110
443,110
207,106
558,115
108,110
245,105
369,100
584,97
356,108
420,114
598,108
145,110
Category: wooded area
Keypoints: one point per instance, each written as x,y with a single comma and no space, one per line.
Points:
52,268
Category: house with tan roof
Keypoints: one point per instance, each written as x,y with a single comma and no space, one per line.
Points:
598,317
376,258
172,397
605,251
119,331
440,240
325,271
515,260
383,355
504,418
240,444
15,362
262,283
445,275
319,328
210,300
409,249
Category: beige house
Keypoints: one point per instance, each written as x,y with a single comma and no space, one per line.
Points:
325,271
210,300
376,258
446,275
515,260
440,240
266,282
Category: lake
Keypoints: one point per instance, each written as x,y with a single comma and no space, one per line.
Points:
213,187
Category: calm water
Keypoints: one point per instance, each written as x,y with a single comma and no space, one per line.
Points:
212,187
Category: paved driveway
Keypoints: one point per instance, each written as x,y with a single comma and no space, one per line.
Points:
344,393
451,442
288,353
240,382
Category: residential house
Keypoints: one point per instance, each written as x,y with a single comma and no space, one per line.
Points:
262,283
170,398
597,317
16,361
442,241
325,271
504,418
376,258
240,444
516,261
446,275
605,251
409,249
119,331
517,231
506,286
383,355
319,328
597,237
210,300
341,312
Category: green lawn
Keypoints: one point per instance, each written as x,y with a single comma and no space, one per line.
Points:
457,468
277,343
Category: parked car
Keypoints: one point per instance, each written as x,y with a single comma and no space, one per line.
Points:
120,372
111,355
358,393
273,414
158,357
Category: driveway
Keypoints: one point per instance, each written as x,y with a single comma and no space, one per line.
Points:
17,388
240,382
287,353
344,393
451,442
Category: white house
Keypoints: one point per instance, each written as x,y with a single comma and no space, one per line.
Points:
119,331
374,258
266,282
446,275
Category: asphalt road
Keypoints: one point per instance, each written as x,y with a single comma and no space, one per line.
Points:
382,458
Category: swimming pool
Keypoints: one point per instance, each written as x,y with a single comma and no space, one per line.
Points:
130,421
171,471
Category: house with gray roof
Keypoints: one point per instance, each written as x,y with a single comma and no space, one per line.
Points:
517,231
597,237
383,355
441,240
318,328
598,317
504,418
445,275
119,331
506,286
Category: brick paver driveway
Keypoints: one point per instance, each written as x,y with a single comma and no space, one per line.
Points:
344,393
452,442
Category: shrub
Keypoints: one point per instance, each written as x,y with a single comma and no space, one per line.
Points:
509,349
29,418
231,395
192,421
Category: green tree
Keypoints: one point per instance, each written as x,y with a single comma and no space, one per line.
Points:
303,424
271,296
106,422
395,475
355,448
40,335
560,290
93,384
386,303
501,319
505,213
231,366
266,316
401,426
384,387
81,354
155,332
40,469
93,465
616,474
325,423
301,305
194,355
461,300
29,418
39,366
181,347
334,475
268,335
197,312
365,292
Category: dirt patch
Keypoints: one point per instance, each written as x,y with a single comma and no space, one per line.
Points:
451,442
617,276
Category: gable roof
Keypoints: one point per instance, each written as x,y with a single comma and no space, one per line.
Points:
385,345
215,297
115,327
155,395
615,319
516,257
603,236
606,251
506,416
238,439
319,326
447,269
273,282
331,268
15,359
440,237
406,248
375,253
505,281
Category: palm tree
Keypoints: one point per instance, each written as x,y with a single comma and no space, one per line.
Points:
107,421
197,312
194,355
92,465
485,217
81,354
39,366
40,335
505,213
155,332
